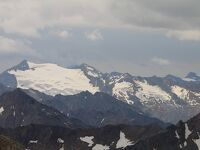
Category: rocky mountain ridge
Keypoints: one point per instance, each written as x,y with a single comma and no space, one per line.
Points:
168,98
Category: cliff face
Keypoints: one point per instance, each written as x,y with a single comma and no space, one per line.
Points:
183,136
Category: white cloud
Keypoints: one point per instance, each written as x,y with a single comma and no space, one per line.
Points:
160,61
191,35
20,17
63,34
8,45
29,17
94,35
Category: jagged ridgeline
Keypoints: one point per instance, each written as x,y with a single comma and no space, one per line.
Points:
167,98
49,107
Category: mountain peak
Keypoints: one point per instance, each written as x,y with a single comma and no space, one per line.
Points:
49,78
88,70
23,65
83,67
192,75
172,77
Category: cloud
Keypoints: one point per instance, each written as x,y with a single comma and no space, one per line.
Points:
185,35
29,17
160,61
34,15
94,35
8,45
20,18
62,34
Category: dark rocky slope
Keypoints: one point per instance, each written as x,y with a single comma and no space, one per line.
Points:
183,136
100,109
8,144
41,137
19,109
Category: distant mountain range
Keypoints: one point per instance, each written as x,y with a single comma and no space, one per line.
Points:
28,124
48,107
167,98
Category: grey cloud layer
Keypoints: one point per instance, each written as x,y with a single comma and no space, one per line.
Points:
27,17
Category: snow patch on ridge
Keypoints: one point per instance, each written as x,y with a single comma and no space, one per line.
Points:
93,74
197,141
88,139
184,94
1,110
188,79
177,136
100,147
180,92
33,141
147,92
53,79
187,131
123,141
122,90
60,140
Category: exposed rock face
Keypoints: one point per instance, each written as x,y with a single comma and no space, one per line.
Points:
40,137
19,109
183,136
100,109
4,89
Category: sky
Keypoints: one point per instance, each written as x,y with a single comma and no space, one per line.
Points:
141,37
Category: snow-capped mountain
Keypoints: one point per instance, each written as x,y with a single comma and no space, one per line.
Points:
49,78
168,98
